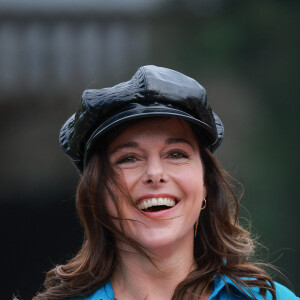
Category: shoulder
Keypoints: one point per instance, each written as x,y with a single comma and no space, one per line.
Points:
225,288
284,293
104,293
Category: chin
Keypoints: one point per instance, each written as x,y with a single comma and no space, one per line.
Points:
156,244
161,240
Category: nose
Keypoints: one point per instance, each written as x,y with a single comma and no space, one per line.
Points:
154,173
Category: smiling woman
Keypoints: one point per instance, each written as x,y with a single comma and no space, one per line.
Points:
159,164
159,212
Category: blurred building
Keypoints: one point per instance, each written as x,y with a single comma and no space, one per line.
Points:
52,47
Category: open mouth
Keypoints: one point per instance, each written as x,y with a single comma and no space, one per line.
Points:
156,204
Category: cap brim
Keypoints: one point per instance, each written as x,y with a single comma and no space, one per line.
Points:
147,112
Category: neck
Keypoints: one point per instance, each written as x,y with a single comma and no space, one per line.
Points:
138,277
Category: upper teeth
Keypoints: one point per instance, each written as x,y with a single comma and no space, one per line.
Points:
146,203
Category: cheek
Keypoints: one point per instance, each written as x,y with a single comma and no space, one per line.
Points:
191,179
116,206
130,177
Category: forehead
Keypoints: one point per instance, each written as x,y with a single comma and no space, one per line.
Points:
157,128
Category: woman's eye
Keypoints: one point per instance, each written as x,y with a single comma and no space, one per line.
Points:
178,155
127,159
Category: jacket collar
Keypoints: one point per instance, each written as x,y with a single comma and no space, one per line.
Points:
223,284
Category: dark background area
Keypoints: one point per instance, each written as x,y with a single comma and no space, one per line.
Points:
245,53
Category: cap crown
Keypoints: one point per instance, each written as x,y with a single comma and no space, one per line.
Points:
152,91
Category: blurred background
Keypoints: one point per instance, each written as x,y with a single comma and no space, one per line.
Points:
245,53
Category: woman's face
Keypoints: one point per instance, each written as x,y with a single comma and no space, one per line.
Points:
159,162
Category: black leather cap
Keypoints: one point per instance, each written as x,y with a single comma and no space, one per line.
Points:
152,92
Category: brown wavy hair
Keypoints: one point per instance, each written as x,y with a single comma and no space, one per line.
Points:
221,247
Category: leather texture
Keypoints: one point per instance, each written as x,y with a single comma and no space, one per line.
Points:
152,92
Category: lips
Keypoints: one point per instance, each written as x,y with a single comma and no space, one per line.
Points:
153,204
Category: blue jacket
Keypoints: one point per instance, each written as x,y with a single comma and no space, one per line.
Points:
219,292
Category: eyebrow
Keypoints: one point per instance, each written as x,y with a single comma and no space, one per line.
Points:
126,145
169,141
